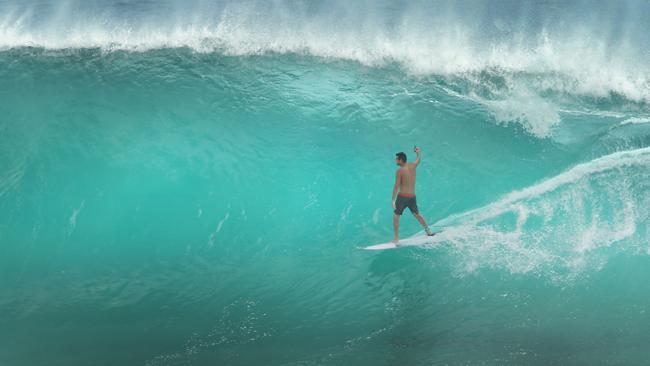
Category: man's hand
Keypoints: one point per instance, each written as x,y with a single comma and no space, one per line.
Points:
394,207
417,158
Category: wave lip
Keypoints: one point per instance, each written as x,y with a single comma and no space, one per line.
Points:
580,59
522,66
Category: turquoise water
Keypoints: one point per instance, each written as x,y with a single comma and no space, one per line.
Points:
191,183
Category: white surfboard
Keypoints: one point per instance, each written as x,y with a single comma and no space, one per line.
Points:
418,240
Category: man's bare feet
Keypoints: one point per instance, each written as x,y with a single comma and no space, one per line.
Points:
395,241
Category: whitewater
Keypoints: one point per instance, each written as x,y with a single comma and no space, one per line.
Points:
190,182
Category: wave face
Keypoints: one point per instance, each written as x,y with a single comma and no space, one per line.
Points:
189,182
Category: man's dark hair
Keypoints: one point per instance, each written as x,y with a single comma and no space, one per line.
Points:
401,156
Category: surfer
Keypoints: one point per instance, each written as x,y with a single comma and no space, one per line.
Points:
404,192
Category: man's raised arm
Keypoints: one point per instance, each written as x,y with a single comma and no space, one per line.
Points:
417,152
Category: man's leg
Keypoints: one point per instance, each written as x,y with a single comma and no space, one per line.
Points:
396,227
420,218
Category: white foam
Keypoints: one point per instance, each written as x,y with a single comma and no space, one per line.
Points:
445,44
580,171
635,120
577,60
213,235
522,105
73,218
562,224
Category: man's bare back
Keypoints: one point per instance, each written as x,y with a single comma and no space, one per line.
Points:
407,179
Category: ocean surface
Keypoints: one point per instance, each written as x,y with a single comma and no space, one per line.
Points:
190,182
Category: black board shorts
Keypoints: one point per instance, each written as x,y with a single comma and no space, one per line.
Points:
403,202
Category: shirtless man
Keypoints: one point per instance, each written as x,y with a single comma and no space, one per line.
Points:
405,183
